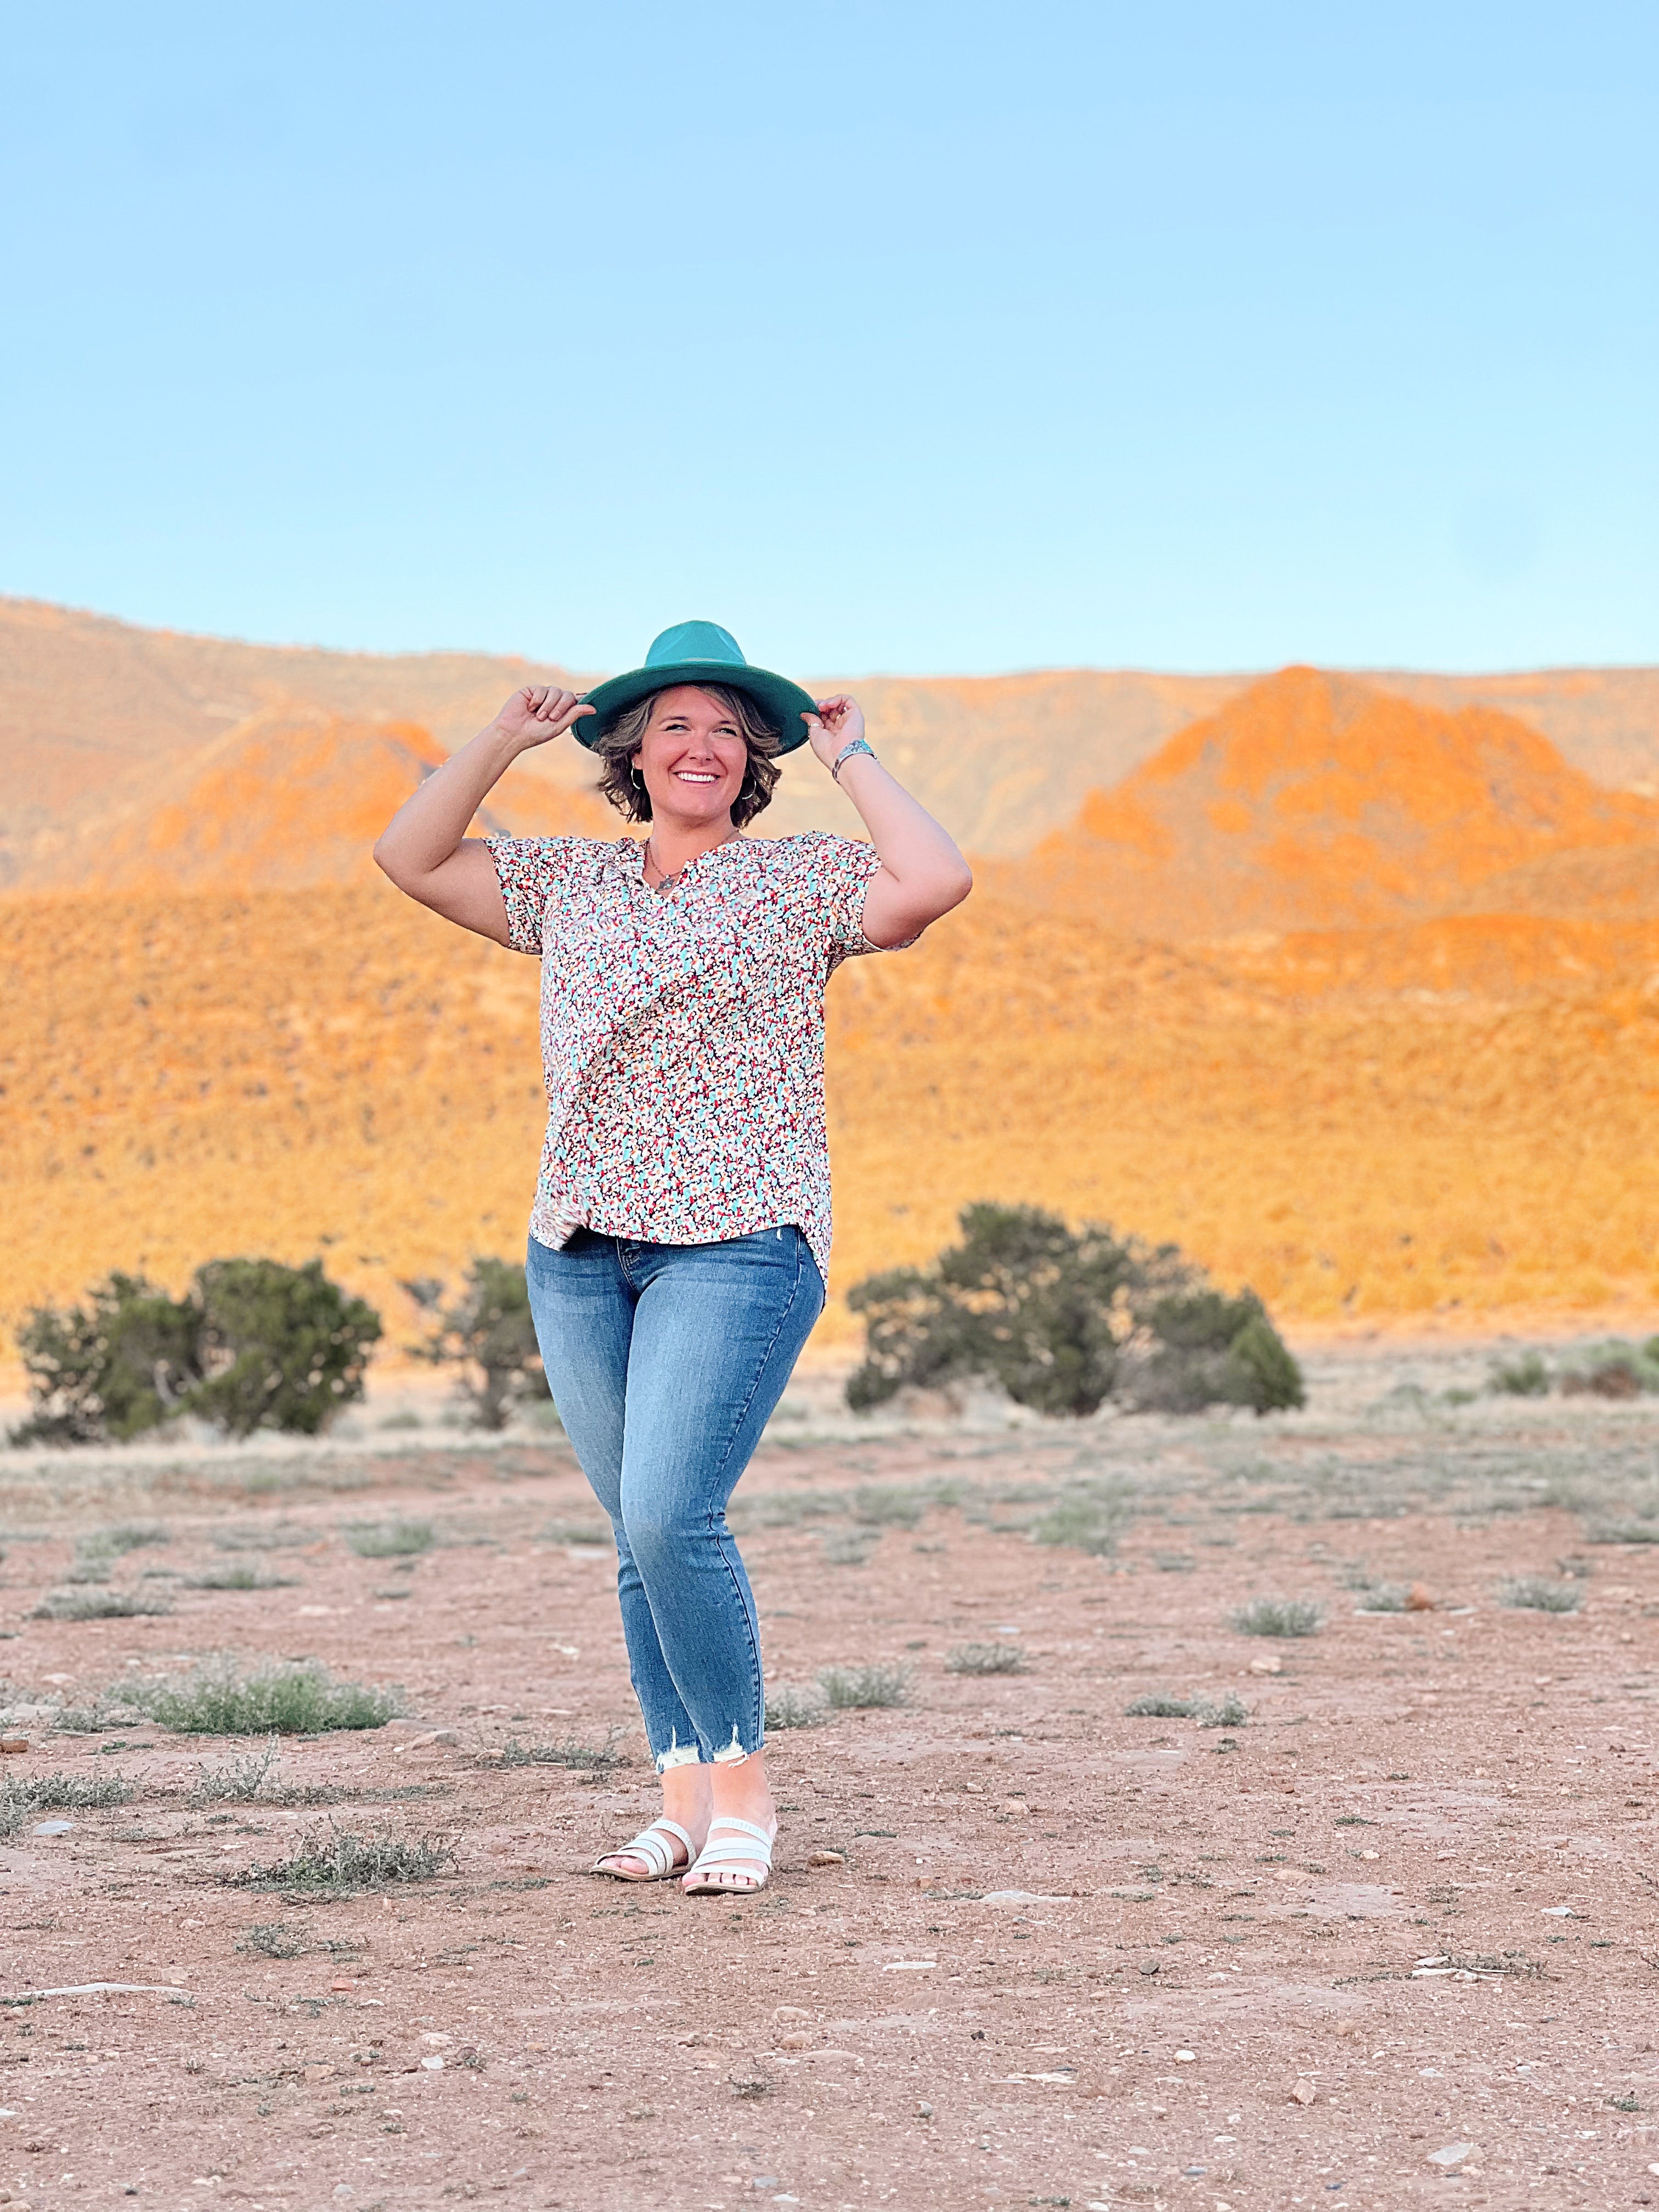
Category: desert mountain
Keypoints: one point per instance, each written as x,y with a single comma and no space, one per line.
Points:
100,722
1317,801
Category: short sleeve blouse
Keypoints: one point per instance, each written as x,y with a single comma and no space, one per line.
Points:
683,1031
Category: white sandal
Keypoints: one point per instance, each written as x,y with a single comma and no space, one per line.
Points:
733,1852
649,1845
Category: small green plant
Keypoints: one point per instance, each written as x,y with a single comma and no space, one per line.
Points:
1088,1519
98,1604
1278,1616
237,1575
339,1860
848,1548
390,1539
238,1784
853,1689
795,1709
289,1700
1622,1532
566,1752
23,1798
273,1939
1625,2102
1538,1594
575,1532
1227,1711
487,1335
987,1659
1525,1377
1383,1597
889,1505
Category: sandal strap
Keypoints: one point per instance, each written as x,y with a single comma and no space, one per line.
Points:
735,1852
749,1827
649,1845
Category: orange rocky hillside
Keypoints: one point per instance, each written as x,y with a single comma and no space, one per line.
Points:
1317,801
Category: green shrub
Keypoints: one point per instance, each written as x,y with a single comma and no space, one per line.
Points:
100,1605
390,1540
1229,1711
487,1336
282,1347
987,1659
1278,1616
850,1689
1538,1594
252,1344
1088,1519
795,1709
1065,1319
339,1860
1525,1377
289,1700
566,1752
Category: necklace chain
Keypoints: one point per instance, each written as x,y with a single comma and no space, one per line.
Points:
666,881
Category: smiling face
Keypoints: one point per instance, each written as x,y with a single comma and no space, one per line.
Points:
693,757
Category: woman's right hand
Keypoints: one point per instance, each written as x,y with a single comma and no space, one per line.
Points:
538,713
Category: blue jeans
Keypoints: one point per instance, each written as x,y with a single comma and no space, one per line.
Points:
665,1362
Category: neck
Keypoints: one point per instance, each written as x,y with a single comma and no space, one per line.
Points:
673,843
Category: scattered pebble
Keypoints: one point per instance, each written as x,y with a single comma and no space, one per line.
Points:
826,1858
53,1828
13,1743
1451,2154
1304,2093
1268,1666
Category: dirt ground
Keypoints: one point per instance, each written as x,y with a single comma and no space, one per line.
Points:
1388,1939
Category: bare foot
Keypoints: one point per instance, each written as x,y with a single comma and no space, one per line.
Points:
686,1801
739,1790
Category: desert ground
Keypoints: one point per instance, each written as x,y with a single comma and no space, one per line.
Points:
1374,1923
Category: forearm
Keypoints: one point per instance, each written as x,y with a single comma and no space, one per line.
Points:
920,856
429,826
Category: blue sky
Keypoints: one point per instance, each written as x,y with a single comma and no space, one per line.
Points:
894,335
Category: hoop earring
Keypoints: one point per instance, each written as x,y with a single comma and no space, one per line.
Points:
637,777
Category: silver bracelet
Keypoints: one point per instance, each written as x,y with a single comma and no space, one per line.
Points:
846,754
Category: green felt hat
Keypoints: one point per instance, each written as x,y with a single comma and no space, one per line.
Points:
699,653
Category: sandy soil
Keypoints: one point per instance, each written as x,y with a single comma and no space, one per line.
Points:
1063,1956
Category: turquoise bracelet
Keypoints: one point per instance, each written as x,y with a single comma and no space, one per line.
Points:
847,753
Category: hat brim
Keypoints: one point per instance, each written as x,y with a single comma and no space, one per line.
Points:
782,702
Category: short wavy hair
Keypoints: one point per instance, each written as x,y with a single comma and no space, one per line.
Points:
617,744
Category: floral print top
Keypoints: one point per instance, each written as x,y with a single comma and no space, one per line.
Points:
683,1031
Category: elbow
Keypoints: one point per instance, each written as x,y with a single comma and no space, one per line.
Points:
953,886
384,861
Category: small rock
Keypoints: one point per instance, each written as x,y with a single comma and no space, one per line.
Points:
790,2012
1420,1599
13,1743
1148,1965
1185,2057
799,2038
1451,2154
433,2065
1015,1805
342,1985
826,1858
1304,2093
53,1828
1347,2027
924,2111
1267,1665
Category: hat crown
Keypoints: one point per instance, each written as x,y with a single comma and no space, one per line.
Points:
695,640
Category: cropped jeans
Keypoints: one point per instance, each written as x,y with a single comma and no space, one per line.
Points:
665,1362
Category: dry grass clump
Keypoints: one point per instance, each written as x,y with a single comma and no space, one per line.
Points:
390,1539
23,1796
987,1659
795,1709
339,1860
1226,1711
301,1699
98,1604
237,1575
1278,1616
1539,1594
850,1689
566,1751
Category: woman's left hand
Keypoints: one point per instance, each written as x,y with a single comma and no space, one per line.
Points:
834,727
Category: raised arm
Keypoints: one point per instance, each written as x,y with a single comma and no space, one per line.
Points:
425,849
922,874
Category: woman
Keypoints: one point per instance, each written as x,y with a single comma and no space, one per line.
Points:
680,1232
